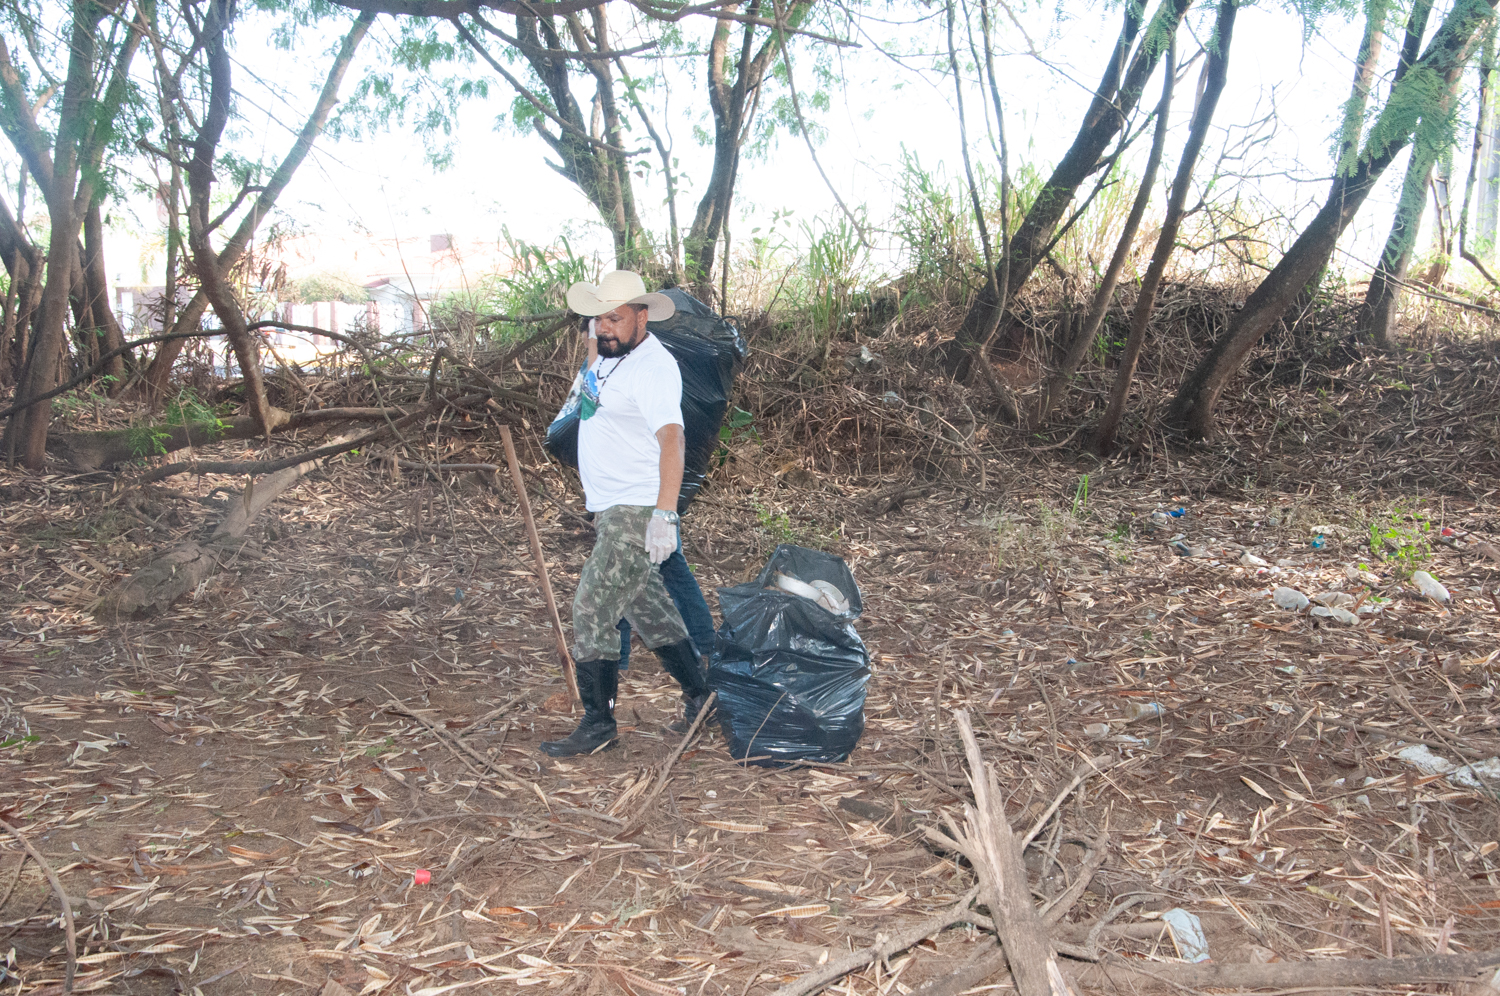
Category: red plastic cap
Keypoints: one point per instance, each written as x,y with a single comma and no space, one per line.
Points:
421,876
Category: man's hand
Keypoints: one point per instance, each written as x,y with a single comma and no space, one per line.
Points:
661,537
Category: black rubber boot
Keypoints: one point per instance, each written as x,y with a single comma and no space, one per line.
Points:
598,683
681,661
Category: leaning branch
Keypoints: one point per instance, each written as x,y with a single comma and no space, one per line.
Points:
62,897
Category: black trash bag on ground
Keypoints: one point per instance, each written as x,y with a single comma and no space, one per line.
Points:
710,353
790,674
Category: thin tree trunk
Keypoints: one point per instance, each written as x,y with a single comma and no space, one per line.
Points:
1079,346
1113,103
160,371
96,287
1377,313
1214,73
1486,67
1364,75
1192,410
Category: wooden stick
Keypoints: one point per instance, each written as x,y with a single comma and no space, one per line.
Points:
991,846
62,897
897,942
1329,974
563,656
1090,766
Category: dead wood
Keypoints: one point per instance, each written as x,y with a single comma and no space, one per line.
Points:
112,447
154,587
62,897
643,807
987,963
765,949
1301,974
886,946
987,840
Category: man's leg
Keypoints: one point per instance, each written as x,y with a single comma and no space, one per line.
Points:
611,580
653,615
686,594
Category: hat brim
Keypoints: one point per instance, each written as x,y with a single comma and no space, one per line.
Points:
584,299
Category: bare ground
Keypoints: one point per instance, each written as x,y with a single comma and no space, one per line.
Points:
236,795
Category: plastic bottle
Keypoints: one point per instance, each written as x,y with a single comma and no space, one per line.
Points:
1430,586
1135,711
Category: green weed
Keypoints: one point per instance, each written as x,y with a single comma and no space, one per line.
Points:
1403,540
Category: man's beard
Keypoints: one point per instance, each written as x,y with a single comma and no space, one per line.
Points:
611,348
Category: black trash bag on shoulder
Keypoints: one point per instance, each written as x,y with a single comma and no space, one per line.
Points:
710,353
789,673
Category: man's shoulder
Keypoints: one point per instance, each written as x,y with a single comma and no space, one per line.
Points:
656,354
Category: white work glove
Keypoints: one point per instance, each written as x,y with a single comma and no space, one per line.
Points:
661,536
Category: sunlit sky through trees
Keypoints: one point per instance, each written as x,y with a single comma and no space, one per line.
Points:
385,185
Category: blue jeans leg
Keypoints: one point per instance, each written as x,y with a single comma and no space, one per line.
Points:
687,595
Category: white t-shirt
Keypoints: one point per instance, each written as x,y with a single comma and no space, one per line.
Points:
619,457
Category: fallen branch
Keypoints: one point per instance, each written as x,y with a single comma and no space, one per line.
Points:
1090,766
897,942
1333,974
62,897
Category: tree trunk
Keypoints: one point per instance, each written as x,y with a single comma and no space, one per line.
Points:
1214,74
22,262
1078,348
1377,313
1113,103
1486,67
160,371
1364,75
1192,410
96,289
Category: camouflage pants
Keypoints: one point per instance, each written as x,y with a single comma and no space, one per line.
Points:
618,581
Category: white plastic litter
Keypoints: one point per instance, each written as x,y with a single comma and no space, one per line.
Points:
1334,599
1430,586
1356,574
1096,731
1337,614
1290,599
825,594
1142,710
1479,775
1248,559
1187,933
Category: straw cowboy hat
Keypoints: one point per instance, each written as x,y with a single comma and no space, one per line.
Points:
615,289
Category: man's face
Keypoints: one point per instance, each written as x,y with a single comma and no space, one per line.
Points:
621,330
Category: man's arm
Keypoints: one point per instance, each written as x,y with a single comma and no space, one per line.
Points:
673,450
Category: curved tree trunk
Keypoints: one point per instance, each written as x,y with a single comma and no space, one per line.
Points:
1214,75
1057,382
96,287
1119,92
1192,410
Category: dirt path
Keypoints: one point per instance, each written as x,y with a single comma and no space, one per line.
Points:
237,795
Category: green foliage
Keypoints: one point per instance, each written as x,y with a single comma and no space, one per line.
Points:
936,228
775,525
1403,539
536,282
739,425
836,260
1081,495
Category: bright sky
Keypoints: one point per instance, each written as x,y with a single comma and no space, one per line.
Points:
499,178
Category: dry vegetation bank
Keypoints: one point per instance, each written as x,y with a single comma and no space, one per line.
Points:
235,793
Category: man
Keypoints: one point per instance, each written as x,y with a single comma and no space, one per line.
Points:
630,460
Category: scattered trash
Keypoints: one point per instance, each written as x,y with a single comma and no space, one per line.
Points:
1187,934
1319,542
1135,711
1096,731
822,592
1430,586
1477,775
892,398
1177,513
1007,632
790,673
1337,614
1334,599
1160,520
865,360
1249,559
421,877
458,595
1360,574
1290,599
1290,669
1183,550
